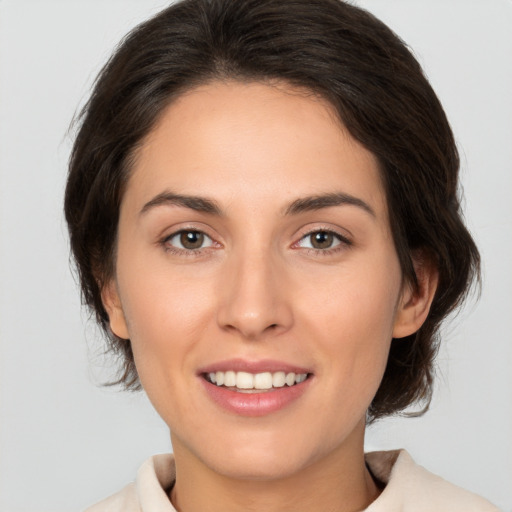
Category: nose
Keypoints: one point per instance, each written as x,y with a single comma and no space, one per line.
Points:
254,297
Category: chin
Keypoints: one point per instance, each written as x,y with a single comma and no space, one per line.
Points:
261,467
263,456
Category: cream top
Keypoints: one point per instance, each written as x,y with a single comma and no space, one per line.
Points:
409,488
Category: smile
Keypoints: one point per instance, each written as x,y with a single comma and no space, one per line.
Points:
246,382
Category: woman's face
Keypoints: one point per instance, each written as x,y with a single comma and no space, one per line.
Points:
254,248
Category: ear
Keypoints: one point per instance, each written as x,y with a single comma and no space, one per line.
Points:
114,309
414,304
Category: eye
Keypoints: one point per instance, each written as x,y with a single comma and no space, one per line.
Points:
322,240
189,240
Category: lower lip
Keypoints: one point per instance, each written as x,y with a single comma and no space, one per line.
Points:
255,404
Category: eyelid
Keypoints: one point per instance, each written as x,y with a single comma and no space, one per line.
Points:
181,231
343,234
178,227
163,240
344,240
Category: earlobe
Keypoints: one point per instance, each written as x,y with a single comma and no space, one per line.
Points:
415,303
114,309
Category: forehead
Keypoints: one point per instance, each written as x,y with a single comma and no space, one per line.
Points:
231,140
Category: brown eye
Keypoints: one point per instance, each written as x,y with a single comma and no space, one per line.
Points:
189,240
321,240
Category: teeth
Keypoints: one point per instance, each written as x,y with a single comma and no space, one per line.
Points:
300,377
230,379
245,380
263,380
278,379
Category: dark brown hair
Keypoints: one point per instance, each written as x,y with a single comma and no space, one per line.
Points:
332,48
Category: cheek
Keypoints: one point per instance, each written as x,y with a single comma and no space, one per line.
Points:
166,312
353,320
356,300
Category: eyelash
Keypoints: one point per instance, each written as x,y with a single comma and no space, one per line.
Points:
165,242
343,243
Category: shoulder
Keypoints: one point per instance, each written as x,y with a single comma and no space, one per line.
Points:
147,493
410,487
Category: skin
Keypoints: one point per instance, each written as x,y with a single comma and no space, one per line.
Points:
257,289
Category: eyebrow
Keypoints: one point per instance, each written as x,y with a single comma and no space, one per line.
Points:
318,202
199,204
303,204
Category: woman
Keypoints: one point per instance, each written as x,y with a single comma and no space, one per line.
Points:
262,204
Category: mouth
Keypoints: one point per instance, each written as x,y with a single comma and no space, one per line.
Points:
253,388
245,382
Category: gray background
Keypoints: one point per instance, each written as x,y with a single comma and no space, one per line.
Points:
64,441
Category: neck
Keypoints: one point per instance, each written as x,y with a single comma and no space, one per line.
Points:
339,482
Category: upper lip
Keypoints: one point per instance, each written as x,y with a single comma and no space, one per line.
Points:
261,366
